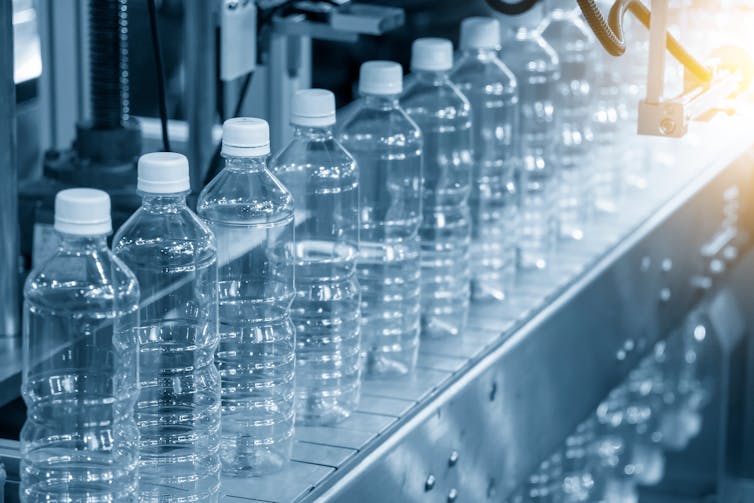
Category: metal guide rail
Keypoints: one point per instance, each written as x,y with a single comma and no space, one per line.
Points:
483,409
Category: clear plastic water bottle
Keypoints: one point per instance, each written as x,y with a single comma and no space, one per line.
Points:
444,116
80,382
573,41
610,117
174,258
387,146
491,90
324,181
536,67
251,215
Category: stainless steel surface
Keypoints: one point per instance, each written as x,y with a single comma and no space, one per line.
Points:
9,247
199,79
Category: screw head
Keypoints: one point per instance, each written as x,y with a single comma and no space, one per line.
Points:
429,484
667,126
453,459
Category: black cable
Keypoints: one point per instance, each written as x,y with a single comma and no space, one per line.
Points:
611,36
512,9
162,97
214,166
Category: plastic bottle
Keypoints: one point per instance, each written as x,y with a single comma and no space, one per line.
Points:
79,442
444,116
174,258
492,92
609,118
536,67
573,41
387,146
251,215
324,181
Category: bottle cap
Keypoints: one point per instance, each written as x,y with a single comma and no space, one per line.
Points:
313,108
246,137
163,173
383,78
84,212
431,55
480,33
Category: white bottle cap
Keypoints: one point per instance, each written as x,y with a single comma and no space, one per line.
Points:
383,78
163,173
431,55
480,33
246,137
84,212
313,108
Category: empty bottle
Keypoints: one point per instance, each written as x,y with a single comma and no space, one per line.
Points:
491,90
251,215
574,43
609,119
324,182
174,258
387,146
79,442
444,116
536,67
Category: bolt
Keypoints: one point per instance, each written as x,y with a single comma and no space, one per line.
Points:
452,495
665,295
453,459
666,265
429,484
667,126
646,263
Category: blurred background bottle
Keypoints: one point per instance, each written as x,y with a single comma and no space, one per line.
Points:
536,67
387,146
566,32
173,255
79,442
324,181
444,117
491,90
251,215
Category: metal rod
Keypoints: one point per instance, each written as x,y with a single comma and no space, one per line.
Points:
199,57
658,26
9,243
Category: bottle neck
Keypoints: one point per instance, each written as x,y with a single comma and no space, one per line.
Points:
381,102
74,242
431,78
164,202
313,133
245,164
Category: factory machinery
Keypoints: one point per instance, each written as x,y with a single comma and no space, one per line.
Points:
486,414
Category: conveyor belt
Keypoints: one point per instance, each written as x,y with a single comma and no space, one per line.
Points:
564,327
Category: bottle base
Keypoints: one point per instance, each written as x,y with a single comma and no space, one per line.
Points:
257,461
391,364
320,409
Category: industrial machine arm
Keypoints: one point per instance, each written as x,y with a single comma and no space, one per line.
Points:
705,86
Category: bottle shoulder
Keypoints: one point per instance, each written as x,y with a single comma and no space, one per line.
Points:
320,156
163,235
567,30
490,75
78,280
532,53
443,102
245,194
392,127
